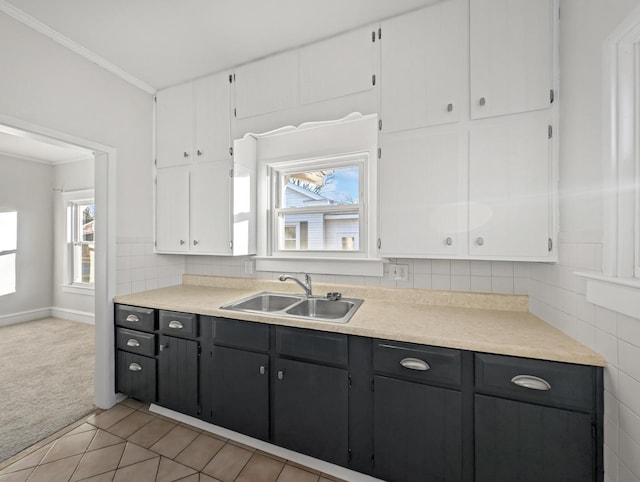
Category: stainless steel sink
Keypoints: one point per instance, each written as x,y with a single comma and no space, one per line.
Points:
294,306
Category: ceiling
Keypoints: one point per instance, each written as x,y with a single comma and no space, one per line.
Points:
158,43
31,147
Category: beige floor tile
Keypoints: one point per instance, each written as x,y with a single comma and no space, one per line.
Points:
174,442
296,474
192,478
130,424
58,471
206,478
151,432
134,454
228,463
103,439
110,417
69,445
28,461
98,462
133,403
307,469
141,472
260,469
106,477
85,427
267,454
169,470
19,476
199,452
243,446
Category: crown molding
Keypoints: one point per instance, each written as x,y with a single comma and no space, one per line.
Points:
56,36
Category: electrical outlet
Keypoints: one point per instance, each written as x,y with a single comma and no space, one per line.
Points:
399,272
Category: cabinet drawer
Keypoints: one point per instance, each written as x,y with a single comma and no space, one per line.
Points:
136,341
240,334
136,318
417,362
541,381
179,324
136,376
313,345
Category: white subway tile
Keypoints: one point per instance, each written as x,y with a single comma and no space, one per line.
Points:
461,283
502,268
630,423
629,391
138,286
586,257
629,453
123,276
460,267
123,262
123,289
441,266
123,249
440,282
138,249
138,274
625,475
611,406
151,272
607,346
151,284
422,266
580,330
501,285
612,380
480,268
611,432
576,305
422,281
629,329
521,270
629,357
521,286
481,284
606,320
610,464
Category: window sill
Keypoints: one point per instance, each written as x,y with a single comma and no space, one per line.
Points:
621,295
335,266
79,290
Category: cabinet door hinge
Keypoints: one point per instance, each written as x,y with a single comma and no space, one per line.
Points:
230,78
379,243
155,99
552,96
380,33
155,162
155,244
155,181
373,79
350,382
230,172
235,112
379,124
231,245
373,36
550,244
349,455
379,152
199,350
550,131
373,460
231,151
373,386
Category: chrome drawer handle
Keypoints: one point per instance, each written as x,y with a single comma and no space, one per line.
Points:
176,325
134,367
415,364
133,318
133,342
262,370
531,382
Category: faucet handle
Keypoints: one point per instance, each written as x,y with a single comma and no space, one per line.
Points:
334,296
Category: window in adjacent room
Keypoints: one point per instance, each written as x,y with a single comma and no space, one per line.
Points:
8,247
81,242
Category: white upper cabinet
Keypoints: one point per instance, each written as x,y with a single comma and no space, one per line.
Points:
172,209
268,85
174,126
419,196
422,65
510,188
336,67
511,56
193,122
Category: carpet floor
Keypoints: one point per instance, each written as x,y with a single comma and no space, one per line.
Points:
46,380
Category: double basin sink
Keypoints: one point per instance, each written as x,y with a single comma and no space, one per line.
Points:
298,306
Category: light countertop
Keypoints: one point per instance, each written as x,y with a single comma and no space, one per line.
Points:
489,323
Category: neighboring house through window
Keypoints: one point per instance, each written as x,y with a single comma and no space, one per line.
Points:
80,208
8,249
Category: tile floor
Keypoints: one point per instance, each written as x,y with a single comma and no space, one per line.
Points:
127,443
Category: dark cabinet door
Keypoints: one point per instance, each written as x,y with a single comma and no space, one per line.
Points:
417,432
136,376
239,391
178,374
523,442
311,410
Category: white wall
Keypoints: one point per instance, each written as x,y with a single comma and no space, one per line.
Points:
556,294
67,177
27,187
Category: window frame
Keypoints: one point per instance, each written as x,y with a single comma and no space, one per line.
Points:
8,252
276,171
71,202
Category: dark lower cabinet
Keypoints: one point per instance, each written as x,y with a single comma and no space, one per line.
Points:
136,376
518,441
178,366
417,432
239,391
311,407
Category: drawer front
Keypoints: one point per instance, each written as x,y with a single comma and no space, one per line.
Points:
320,346
541,381
240,334
136,376
179,324
417,362
135,317
136,341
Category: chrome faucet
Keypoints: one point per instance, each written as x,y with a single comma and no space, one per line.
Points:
306,286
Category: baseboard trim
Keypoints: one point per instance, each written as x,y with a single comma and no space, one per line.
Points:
73,315
23,316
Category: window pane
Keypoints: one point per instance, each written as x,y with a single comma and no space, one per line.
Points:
320,231
8,231
87,213
337,186
83,255
7,274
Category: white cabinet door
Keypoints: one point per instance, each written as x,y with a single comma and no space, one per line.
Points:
422,67
268,85
510,196
174,126
511,56
419,195
212,118
210,209
172,209
337,67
